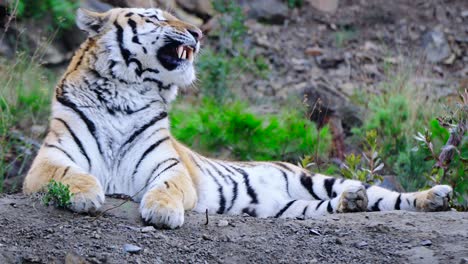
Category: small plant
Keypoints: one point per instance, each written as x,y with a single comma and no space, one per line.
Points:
366,170
57,194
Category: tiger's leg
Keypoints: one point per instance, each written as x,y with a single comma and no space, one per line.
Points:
169,194
434,199
87,192
354,199
63,158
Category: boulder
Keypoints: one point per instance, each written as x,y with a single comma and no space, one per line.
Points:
269,11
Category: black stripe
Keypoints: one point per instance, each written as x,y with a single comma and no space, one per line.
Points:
153,121
306,181
65,172
89,124
375,207
59,148
328,184
123,51
129,14
329,207
133,25
250,190
161,86
286,207
414,203
77,141
285,176
222,199
318,205
284,166
398,202
235,187
147,151
154,177
250,212
305,210
234,195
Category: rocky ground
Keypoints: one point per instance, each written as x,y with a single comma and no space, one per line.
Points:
33,233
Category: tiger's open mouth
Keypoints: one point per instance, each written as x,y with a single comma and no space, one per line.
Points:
174,54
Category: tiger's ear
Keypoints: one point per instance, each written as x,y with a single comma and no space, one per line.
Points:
91,22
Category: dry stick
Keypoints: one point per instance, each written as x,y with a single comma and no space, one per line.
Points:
448,151
456,137
117,206
206,215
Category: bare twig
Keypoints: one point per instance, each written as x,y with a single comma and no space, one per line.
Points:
206,215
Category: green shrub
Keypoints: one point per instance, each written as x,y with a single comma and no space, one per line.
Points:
397,114
62,11
24,101
57,194
215,129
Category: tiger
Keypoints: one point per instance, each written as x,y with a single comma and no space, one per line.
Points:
109,133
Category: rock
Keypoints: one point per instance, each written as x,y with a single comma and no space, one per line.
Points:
361,244
269,11
129,248
426,243
328,61
201,8
148,229
338,241
329,6
223,223
207,237
73,258
464,13
464,260
436,46
314,51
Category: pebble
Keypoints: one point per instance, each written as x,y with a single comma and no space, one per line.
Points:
206,237
426,243
464,260
361,244
129,248
223,223
148,229
314,232
464,13
338,241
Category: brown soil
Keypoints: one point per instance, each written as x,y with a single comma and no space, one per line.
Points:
33,233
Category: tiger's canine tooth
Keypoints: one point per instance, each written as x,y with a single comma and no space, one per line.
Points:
180,49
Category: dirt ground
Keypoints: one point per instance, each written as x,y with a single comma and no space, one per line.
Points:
33,233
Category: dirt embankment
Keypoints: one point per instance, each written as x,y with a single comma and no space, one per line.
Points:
33,233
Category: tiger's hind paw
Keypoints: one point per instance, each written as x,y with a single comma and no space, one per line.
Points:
353,199
435,199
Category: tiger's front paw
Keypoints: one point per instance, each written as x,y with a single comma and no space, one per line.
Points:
435,199
162,210
88,195
353,199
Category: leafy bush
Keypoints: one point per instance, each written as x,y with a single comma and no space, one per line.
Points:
219,128
62,11
57,194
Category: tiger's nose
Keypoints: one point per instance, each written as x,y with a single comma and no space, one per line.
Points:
196,33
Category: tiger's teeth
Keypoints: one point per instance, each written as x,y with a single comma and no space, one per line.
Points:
190,55
183,55
180,49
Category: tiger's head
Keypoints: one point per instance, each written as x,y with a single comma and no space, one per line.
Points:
137,45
